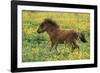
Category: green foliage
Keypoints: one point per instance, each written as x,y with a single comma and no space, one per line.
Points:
36,47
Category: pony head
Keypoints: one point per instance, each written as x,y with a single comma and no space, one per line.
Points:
47,24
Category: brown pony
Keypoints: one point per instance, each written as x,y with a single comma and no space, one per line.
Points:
58,35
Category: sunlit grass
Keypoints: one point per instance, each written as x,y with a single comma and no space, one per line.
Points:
36,47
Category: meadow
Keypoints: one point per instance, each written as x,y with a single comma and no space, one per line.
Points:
36,47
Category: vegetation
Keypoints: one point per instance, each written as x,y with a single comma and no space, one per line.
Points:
36,47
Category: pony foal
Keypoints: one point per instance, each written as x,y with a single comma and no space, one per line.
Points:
58,35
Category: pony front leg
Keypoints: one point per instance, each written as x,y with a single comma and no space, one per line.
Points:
54,45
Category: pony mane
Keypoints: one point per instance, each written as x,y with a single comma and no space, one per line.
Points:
51,22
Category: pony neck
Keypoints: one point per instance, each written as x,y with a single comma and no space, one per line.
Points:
52,32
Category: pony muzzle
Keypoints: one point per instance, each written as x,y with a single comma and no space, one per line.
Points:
38,31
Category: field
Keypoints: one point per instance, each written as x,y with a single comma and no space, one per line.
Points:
36,47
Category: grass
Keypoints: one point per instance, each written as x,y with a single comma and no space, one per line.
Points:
36,47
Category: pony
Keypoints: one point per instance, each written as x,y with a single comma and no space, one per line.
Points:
58,35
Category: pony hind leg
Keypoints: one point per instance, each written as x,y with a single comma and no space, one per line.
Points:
74,46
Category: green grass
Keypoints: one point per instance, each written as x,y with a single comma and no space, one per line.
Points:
36,47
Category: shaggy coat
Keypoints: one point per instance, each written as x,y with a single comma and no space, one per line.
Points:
58,35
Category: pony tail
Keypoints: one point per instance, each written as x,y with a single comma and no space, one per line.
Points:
82,37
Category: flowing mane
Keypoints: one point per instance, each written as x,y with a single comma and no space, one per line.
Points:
51,22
